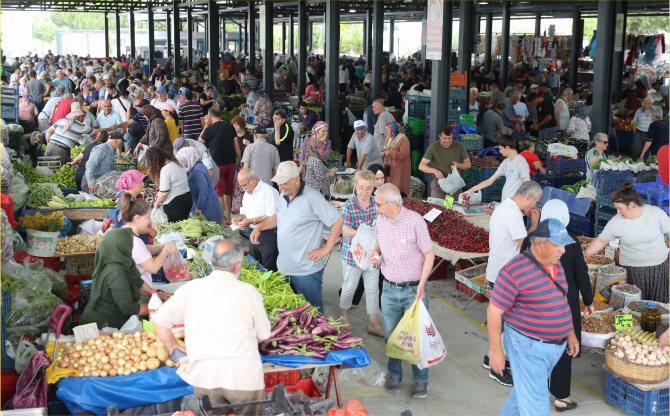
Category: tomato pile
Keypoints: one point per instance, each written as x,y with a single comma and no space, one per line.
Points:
450,230
623,124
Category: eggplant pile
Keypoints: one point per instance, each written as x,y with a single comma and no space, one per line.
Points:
305,331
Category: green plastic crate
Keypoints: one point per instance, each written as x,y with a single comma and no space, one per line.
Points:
418,125
467,119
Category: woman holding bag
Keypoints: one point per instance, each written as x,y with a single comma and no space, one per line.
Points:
397,156
359,210
173,195
313,159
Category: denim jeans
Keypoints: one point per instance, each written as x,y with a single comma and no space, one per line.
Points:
547,134
247,231
531,362
395,301
310,286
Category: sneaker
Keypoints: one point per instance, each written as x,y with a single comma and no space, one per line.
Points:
393,385
420,390
505,379
488,367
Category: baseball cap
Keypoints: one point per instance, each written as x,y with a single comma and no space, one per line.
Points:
534,86
285,171
261,131
161,89
553,69
554,231
359,124
544,70
106,76
115,135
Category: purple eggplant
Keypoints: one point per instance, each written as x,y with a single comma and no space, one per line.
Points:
272,351
343,335
287,332
317,348
308,321
322,320
319,330
318,355
281,326
350,340
291,339
295,311
286,347
331,329
303,337
293,352
281,309
339,346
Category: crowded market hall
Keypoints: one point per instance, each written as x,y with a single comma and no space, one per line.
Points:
385,207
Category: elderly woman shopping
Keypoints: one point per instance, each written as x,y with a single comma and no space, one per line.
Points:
396,154
205,200
313,159
580,124
157,134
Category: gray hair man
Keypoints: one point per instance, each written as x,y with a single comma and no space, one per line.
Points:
405,252
506,233
261,156
258,204
101,160
383,118
63,136
225,364
563,110
301,214
657,135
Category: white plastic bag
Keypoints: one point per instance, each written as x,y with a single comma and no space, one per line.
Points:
362,245
141,157
431,346
588,191
157,215
559,149
24,352
44,171
475,198
90,227
132,325
452,183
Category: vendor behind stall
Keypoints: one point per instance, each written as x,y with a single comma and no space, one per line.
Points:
205,200
132,182
224,363
64,135
115,292
101,160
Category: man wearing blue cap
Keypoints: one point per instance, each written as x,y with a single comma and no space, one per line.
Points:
161,101
530,297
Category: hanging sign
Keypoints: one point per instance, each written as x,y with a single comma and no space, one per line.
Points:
618,32
434,27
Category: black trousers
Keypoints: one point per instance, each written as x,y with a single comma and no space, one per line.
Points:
559,384
179,208
266,250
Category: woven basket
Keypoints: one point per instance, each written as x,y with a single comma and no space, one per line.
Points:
631,372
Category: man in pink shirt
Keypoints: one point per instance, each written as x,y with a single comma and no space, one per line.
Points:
405,252
314,92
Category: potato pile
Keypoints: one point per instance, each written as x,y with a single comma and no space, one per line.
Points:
628,348
116,354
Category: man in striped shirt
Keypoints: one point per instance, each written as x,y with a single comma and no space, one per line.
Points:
530,297
190,117
65,134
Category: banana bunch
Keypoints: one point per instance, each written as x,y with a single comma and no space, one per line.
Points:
58,202
191,228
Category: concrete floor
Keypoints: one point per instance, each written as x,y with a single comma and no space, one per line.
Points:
459,385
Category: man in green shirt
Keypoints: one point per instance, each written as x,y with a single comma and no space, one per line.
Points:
497,96
445,155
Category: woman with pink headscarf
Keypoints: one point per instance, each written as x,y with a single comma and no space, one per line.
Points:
205,200
131,181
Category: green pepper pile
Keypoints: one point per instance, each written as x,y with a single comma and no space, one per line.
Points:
576,187
276,291
64,177
76,151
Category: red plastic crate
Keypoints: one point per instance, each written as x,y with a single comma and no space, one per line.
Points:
287,378
460,287
445,270
307,386
9,380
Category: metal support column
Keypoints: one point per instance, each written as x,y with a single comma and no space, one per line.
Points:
504,46
213,43
169,33
283,38
117,22
466,38
246,41
439,101
152,38
106,36
267,44
368,38
365,38
188,53
176,28
131,21
251,28
538,24
602,86
617,62
310,36
391,34
291,35
488,42
577,31
377,46
302,48
333,113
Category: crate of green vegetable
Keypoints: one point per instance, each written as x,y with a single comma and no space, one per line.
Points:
471,141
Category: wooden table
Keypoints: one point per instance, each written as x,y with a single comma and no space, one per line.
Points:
332,376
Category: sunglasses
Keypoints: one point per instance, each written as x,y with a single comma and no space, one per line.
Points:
605,142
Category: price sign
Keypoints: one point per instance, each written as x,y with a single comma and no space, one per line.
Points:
432,214
614,244
609,252
448,202
623,321
86,332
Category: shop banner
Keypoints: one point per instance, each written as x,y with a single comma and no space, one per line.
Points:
434,27
618,33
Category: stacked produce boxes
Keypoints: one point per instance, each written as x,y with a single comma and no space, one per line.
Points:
482,169
9,104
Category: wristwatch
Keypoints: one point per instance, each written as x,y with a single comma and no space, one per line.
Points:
254,221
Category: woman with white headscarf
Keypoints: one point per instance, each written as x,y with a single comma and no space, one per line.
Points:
576,273
205,200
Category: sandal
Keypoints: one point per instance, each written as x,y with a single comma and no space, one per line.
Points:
568,405
344,321
376,331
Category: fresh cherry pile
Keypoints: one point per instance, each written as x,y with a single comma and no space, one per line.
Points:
450,230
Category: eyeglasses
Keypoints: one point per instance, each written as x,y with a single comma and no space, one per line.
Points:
245,185
378,205
605,142
366,189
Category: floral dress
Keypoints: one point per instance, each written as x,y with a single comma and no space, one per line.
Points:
263,108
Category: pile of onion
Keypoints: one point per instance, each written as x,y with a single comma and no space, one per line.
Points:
115,354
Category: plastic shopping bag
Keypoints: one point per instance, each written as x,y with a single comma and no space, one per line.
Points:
24,352
452,183
475,198
157,215
403,343
362,245
432,349
176,269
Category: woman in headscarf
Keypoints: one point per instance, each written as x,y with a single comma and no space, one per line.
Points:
131,182
580,124
28,113
205,158
157,134
397,156
313,159
174,194
205,200
23,90
263,107
576,273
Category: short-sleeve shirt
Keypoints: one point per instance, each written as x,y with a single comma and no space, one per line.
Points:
662,157
506,227
71,137
546,108
36,88
531,302
365,146
642,242
64,108
442,157
190,114
497,97
354,216
174,181
220,140
310,120
530,158
313,93
403,241
140,255
206,107
65,82
380,128
491,125
658,134
108,121
509,112
262,157
262,201
300,229
514,171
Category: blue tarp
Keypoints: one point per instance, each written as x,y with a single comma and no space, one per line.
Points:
94,394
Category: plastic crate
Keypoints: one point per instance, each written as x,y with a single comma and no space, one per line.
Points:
581,225
13,90
460,287
608,181
9,380
561,181
159,277
646,176
7,362
287,378
417,109
128,166
472,144
491,195
543,180
467,119
604,215
656,193
427,130
416,143
8,112
562,165
579,206
597,229
10,100
604,201
484,162
632,400
278,403
478,175
418,125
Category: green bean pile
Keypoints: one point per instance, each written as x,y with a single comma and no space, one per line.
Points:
39,195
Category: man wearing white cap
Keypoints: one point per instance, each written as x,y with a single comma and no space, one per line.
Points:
301,214
364,143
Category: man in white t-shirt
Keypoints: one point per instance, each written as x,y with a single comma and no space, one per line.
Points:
162,100
506,233
514,168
